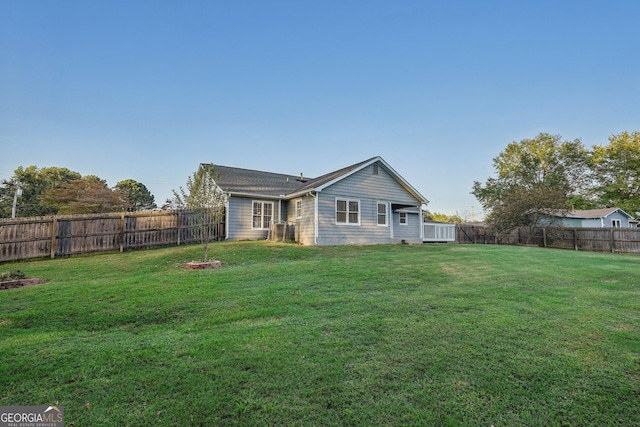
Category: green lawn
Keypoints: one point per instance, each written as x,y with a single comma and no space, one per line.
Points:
286,335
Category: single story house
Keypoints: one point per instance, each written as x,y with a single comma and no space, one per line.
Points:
594,218
365,203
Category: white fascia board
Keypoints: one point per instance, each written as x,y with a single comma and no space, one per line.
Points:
417,209
300,194
255,196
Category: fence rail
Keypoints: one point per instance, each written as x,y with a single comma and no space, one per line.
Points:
623,240
57,236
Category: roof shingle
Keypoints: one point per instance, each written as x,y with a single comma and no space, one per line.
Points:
247,181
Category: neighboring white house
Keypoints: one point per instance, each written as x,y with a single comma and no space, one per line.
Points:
365,203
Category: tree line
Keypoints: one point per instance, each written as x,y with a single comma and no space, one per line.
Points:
33,191
548,175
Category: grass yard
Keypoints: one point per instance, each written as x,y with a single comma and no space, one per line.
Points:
287,335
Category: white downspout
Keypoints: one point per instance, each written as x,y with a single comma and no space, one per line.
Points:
315,219
226,219
315,215
421,222
390,216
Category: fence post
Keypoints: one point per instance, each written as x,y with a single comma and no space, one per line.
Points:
178,222
544,237
612,240
54,232
123,223
575,239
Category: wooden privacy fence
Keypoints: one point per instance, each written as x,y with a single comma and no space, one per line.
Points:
77,234
625,240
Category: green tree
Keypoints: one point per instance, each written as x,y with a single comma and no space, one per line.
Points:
534,177
32,181
617,172
441,217
89,194
137,194
206,202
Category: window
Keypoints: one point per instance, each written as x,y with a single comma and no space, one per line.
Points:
347,211
616,223
382,214
262,215
298,208
375,169
403,218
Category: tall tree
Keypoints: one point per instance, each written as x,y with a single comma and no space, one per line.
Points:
534,177
206,202
617,172
89,194
137,194
32,181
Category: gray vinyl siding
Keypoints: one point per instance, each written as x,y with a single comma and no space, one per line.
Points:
369,189
410,231
567,222
305,226
624,220
241,218
561,222
594,222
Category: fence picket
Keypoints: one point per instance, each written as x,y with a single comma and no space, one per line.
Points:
625,240
56,236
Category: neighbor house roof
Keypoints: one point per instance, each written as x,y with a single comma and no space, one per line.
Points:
591,213
597,213
249,182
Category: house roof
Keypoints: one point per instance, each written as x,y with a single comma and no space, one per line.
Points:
253,182
597,213
329,178
249,182
591,213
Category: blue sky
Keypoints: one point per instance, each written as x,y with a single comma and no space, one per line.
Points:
149,89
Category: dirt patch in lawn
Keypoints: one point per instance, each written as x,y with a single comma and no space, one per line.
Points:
17,279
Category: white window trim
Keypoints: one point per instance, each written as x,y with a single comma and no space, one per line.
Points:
616,223
348,201
298,210
386,214
406,218
263,203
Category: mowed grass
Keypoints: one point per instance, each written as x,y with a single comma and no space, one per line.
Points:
287,335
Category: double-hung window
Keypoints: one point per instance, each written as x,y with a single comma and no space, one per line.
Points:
347,211
262,215
402,218
382,214
298,208
616,223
